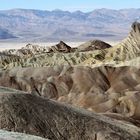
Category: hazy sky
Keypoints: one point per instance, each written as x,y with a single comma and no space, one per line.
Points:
70,5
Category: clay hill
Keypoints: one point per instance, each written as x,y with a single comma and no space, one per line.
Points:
90,92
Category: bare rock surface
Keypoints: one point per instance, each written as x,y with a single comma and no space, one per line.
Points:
34,115
129,48
94,45
8,135
60,47
101,89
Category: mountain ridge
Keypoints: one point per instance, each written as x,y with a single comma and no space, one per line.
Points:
41,25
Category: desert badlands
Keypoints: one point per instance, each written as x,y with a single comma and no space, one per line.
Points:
88,92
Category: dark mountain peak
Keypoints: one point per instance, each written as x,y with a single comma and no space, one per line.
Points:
62,43
135,32
60,47
136,26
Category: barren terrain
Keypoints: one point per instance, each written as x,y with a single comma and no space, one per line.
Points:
72,91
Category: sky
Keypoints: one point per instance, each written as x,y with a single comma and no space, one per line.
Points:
69,5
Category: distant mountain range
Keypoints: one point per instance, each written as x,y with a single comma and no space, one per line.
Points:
38,25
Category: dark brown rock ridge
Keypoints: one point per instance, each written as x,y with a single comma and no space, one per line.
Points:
60,47
37,116
94,45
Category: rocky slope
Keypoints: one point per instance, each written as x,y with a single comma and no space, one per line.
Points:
101,89
6,135
49,119
129,48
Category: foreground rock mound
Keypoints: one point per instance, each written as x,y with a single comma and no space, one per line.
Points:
49,119
6,135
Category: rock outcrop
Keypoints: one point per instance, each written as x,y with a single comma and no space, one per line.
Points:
7,135
34,115
129,48
60,47
93,45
